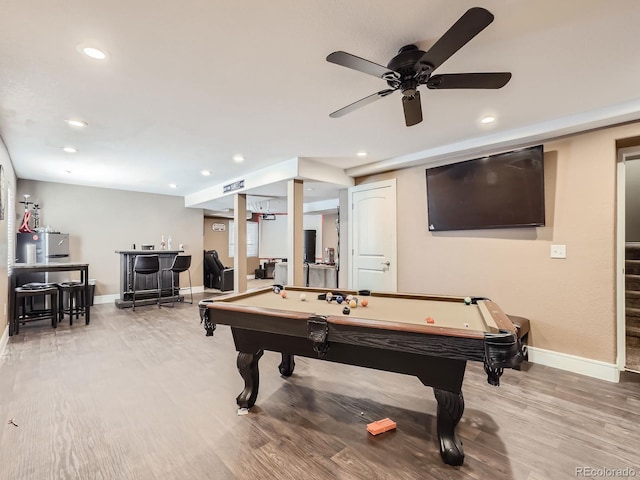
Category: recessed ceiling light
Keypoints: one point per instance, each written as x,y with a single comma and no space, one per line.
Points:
206,173
173,185
238,158
94,53
77,123
488,119
70,149
362,153
309,189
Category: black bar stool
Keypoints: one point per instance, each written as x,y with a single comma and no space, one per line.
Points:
146,265
71,300
32,290
181,263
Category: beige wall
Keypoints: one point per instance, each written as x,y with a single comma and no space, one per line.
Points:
219,241
101,221
329,234
571,302
8,182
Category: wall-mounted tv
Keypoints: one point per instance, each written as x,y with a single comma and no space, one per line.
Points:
498,191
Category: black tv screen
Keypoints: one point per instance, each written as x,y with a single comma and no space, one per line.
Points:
498,191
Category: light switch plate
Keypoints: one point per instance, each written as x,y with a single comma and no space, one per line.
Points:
558,251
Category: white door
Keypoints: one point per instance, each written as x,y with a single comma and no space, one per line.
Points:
372,237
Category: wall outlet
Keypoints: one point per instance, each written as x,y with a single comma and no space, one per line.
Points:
558,251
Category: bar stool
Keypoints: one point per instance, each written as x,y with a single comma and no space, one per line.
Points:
74,292
31,291
146,265
181,263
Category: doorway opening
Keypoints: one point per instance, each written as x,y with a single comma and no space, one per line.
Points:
628,258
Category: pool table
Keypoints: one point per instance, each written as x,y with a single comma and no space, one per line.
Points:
430,337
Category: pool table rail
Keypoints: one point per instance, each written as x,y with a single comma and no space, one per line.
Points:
494,316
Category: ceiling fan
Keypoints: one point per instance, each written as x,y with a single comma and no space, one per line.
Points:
412,67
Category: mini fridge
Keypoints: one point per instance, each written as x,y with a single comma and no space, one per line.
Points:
49,248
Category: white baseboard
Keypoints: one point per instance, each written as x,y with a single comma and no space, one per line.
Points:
100,299
198,289
4,339
575,364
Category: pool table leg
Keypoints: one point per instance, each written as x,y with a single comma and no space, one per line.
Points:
287,365
248,368
450,408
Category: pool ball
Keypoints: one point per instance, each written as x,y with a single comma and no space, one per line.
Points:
353,303
364,302
329,296
349,297
346,310
430,320
467,300
283,294
303,297
276,290
339,299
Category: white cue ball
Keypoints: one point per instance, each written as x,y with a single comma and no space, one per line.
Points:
303,297
467,300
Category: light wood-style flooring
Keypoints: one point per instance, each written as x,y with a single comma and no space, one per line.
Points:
146,395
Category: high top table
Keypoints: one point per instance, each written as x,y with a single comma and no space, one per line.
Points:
19,268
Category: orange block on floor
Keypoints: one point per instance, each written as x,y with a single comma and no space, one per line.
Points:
381,426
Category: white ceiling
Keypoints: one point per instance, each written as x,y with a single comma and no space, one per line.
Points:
189,84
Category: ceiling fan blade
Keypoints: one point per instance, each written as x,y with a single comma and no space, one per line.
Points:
469,80
468,26
412,109
361,103
356,63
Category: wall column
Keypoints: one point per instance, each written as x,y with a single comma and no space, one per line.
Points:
240,241
343,255
295,270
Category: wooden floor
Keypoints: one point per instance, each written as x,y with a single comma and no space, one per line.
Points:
145,395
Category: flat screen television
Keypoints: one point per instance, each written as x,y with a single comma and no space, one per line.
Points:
498,191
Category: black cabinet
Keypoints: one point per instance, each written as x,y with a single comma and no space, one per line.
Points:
309,246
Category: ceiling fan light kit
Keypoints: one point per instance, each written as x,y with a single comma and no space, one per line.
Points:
412,67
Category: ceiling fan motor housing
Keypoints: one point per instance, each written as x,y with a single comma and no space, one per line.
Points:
411,71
